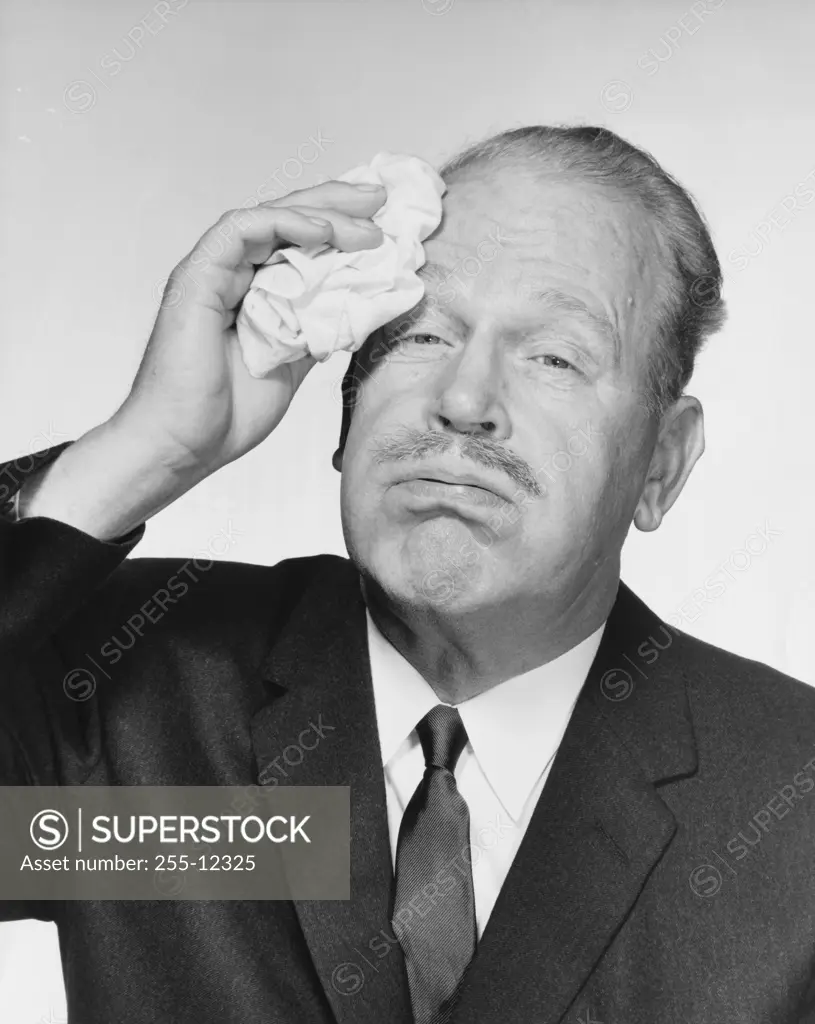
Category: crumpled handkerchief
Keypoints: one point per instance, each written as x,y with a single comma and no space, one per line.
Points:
321,300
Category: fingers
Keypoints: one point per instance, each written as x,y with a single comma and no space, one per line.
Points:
336,195
347,233
249,236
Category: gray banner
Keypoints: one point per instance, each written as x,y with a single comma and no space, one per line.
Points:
175,842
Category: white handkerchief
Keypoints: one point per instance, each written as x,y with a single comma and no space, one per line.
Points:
321,300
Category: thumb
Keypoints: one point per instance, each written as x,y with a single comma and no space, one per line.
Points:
299,368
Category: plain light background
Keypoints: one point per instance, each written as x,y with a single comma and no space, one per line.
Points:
127,129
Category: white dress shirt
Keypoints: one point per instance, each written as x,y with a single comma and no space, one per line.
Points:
513,730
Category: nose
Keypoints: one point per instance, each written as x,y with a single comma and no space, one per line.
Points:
469,397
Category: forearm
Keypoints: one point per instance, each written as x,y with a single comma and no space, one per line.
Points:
105,484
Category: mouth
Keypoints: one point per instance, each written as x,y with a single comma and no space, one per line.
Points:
438,486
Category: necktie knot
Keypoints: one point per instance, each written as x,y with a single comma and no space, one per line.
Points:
443,737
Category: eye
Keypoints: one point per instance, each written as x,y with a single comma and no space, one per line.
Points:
419,339
414,346
412,343
556,362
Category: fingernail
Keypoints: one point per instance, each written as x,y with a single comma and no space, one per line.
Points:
363,223
319,222
370,188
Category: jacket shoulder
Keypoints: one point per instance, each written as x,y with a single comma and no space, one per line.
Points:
210,603
754,683
227,584
745,711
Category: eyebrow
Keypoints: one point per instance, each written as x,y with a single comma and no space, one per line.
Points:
554,299
560,301
434,271
430,304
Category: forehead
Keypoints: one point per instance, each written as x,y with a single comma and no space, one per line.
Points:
509,237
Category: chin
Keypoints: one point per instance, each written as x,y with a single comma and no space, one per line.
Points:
435,565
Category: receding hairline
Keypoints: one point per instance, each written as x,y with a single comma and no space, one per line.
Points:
665,211
644,241
550,169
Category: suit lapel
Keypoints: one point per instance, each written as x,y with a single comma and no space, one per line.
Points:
599,829
318,673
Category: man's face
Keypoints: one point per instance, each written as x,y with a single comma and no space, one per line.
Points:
499,444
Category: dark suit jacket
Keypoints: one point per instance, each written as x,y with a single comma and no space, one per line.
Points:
667,873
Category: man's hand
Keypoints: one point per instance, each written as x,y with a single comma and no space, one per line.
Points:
193,406
193,396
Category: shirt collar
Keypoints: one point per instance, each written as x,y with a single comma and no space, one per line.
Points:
514,729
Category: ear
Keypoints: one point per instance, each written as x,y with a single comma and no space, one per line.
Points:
680,444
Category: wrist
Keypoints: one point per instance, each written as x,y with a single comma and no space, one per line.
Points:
160,463
107,483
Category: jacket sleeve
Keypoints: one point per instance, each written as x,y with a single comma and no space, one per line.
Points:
805,1013
47,567
47,571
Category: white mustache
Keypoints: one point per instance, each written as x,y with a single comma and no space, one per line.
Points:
417,444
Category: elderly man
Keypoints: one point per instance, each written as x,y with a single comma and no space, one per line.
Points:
562,809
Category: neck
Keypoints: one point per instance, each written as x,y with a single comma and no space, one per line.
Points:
462,654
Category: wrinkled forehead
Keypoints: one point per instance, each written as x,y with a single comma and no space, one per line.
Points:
508,235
